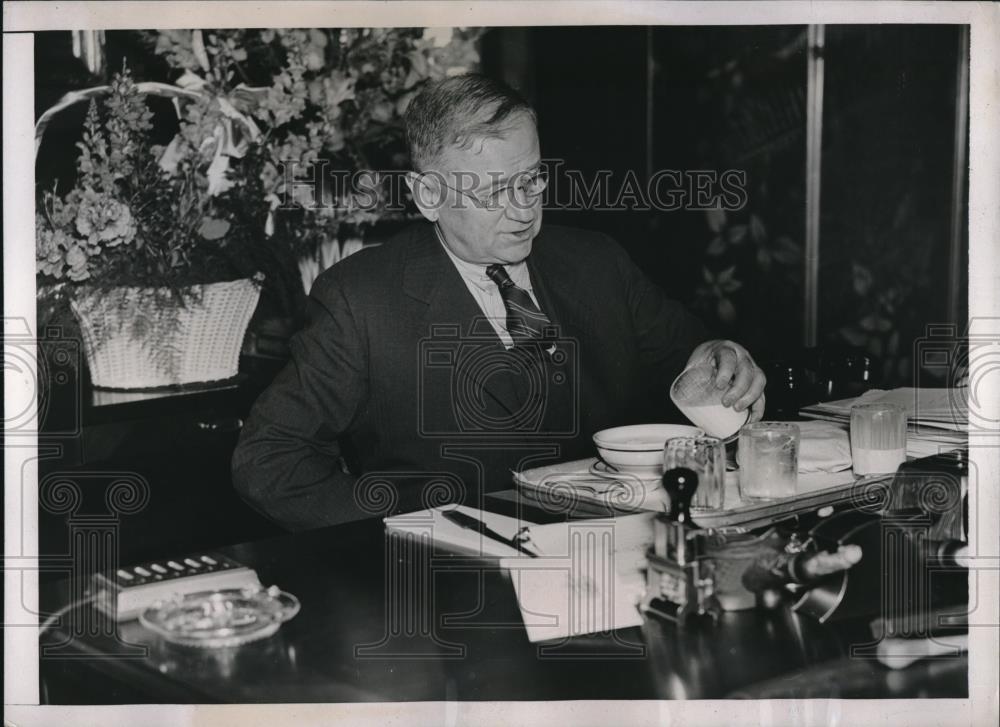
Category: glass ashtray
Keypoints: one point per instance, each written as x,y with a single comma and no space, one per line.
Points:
222,618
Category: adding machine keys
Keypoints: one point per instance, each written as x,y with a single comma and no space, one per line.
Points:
680,580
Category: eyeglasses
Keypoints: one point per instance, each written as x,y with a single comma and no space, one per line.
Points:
524,189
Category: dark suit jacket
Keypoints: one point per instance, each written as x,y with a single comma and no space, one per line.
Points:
398,376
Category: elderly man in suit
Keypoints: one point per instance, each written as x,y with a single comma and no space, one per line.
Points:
470,345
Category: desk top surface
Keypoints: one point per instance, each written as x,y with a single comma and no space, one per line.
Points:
384,620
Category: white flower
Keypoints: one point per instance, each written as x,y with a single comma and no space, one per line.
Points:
217,172
76,258
439,36
171,156
191,81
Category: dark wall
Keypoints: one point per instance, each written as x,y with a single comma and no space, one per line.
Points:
735,98
888,150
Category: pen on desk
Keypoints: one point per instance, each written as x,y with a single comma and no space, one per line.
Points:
470,523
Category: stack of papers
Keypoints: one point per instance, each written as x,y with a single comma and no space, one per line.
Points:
938,418
589,581
588,576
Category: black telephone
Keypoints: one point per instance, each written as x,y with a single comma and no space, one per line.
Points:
908,544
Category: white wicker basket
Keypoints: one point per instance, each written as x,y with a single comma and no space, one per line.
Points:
144,338
141,338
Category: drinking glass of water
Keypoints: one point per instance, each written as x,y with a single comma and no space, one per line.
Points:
769,460
706,457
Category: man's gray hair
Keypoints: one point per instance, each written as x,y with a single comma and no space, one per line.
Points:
454,112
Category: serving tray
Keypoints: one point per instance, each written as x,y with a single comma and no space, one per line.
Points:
575,481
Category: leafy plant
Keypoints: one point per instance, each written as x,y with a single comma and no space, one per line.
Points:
882,295
259,115
744,271
331,102
751,109
874,331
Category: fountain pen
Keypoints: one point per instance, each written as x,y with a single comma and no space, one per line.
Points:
470,523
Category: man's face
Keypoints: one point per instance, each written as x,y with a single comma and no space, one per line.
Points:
486,167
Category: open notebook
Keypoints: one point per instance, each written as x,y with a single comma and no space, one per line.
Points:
586,579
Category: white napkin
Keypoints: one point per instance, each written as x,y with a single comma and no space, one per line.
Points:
823,447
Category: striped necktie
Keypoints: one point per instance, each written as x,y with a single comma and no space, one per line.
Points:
524,321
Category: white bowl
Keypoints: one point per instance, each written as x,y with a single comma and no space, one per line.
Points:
639,447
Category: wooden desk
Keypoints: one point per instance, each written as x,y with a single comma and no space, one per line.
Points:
174,445
343,645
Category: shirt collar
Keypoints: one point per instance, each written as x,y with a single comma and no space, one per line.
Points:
476,274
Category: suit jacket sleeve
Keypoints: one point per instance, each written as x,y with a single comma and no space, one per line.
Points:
666,334
287,462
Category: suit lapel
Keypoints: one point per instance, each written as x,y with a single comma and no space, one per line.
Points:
558,296
451,311
568,379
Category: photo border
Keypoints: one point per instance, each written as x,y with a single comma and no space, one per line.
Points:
20,644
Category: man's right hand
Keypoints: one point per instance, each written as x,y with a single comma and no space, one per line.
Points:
817,565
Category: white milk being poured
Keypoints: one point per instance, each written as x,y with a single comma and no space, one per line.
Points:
717,420
694,392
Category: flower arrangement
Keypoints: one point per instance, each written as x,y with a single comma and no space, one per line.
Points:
140,214
259,115
143,249
331,101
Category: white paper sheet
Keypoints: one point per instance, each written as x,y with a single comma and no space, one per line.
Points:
432,526
943,408
589,581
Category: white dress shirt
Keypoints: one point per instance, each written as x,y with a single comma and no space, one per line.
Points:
486,292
